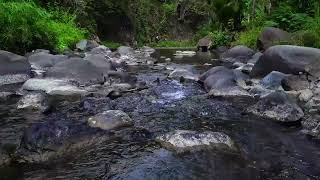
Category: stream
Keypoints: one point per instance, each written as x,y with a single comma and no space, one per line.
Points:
268,150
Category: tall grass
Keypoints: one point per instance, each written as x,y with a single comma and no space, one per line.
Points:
25,26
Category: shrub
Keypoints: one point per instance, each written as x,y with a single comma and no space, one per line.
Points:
248,38
25,27
171,43
111,44
220,38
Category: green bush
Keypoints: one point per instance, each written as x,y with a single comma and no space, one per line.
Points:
111,44
248,37
172,43
25,26
220,38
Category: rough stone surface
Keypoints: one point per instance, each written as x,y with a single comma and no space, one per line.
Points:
273,80
108,120
183,73
271,36
305,95
277,106
295,83
78,70
184,140
86,45
53,87
35,101
289,60
311,125
238,54
43,60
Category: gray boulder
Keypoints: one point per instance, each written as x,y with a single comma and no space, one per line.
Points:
36,101
183,73
295,83
289,60
13,68
271,36
103,50
125,50
277,106
43,60
184,140
78,70
99,61
220,78
86,45
273,80
255,58
53,87
109,120
238,54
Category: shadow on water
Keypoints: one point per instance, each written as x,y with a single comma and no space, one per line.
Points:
268,150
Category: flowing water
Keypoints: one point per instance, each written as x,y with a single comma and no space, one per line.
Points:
268,150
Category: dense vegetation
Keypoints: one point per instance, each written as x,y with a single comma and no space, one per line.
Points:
59,24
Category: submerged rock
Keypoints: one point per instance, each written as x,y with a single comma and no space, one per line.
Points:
277,106
183,140
111,119
35,101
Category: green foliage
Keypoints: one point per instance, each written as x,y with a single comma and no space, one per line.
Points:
248,38
218,38
111,44
171,43
25,26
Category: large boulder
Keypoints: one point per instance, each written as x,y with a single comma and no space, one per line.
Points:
184,140
289,60
111,119
43,60
271,36
86,45
125,50
53,87
13,68
99,61
238,54
76,69
220,77
277,106
295,83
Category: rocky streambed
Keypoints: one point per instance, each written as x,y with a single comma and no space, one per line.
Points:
160,114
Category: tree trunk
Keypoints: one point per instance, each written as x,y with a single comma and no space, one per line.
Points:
253,13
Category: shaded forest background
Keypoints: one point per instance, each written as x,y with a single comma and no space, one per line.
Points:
59,24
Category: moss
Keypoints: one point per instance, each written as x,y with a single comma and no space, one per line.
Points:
173,43
111,44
